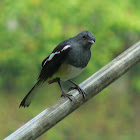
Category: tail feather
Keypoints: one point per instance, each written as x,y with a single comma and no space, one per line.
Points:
31,94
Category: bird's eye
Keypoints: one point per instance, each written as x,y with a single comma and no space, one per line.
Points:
84,36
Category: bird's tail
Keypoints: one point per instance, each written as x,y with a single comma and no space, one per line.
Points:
31,94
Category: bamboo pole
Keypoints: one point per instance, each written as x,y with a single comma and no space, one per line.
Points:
93,85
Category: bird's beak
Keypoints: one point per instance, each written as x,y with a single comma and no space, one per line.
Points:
91,41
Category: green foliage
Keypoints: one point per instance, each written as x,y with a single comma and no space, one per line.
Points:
30,29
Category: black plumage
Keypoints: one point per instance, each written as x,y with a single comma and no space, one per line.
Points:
66,61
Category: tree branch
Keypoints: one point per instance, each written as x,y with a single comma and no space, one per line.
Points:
93,85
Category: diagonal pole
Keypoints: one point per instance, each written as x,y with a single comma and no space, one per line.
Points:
92,86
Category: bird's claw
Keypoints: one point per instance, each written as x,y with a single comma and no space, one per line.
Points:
66,95
79,89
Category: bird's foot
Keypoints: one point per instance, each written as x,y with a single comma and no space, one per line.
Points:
79,89
66,95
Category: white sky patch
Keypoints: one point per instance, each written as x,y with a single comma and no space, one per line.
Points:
53,54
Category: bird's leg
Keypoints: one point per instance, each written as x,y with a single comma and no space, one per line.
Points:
53,80
78,88
63,93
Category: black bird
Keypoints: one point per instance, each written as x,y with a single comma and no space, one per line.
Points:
67,61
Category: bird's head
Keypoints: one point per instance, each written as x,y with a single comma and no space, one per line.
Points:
85,38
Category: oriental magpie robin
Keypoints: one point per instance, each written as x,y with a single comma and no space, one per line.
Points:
67,61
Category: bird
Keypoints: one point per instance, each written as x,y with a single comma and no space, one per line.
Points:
67,61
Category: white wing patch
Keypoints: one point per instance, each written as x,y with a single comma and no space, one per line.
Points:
65,48
53,54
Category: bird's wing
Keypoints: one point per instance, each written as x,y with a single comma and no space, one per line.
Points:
51,64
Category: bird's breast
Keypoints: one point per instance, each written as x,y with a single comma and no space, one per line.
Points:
67,72
79,57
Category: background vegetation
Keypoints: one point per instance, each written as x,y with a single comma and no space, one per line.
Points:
30,29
